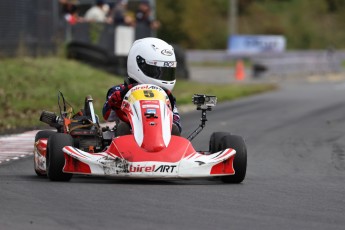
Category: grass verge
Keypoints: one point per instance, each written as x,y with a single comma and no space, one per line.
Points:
29,86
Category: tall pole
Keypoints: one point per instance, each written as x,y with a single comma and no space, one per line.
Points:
232,17
153,15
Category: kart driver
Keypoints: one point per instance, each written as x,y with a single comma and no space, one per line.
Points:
150,61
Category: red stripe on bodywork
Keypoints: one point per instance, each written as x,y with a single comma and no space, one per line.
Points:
226,152
153,134
190,156
74,152
73,165
225,167
198,156
41,146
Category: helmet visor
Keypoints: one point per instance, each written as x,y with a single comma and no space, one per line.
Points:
163,73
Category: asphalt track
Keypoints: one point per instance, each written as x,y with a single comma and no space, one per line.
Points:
295,177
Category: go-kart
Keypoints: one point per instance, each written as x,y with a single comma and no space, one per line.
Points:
81,146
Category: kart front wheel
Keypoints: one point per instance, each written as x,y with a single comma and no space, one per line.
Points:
215,141
39,135
221,141
55,157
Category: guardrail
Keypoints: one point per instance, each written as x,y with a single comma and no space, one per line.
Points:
281,64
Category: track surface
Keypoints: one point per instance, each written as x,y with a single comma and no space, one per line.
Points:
295,177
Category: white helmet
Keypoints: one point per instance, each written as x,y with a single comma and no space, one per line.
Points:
152,61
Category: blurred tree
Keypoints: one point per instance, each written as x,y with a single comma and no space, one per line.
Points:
205,24
307,24
170,13
335,5
194,23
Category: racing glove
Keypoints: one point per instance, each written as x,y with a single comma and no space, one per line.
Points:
115,100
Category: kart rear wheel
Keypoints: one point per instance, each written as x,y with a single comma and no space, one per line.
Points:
40,135
220,141
55,158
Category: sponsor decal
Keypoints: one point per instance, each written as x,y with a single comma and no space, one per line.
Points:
155,87
151,111
167,52
150,106
169,64
150,102
153,168
165,168
140,87
151,62
200,162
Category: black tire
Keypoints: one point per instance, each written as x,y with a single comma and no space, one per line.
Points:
215,141
55,158
222,140
44,134
40,135
240,161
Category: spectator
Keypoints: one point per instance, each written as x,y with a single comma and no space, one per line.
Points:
98,13
70,11
121,15
144,22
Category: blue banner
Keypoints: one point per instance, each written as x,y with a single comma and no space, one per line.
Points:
253,44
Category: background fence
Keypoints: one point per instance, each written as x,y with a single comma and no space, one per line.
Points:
31,27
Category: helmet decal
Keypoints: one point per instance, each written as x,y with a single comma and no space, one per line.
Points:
167,52
169,64
154,47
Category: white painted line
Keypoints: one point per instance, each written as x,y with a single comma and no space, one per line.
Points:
18,153
17,146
